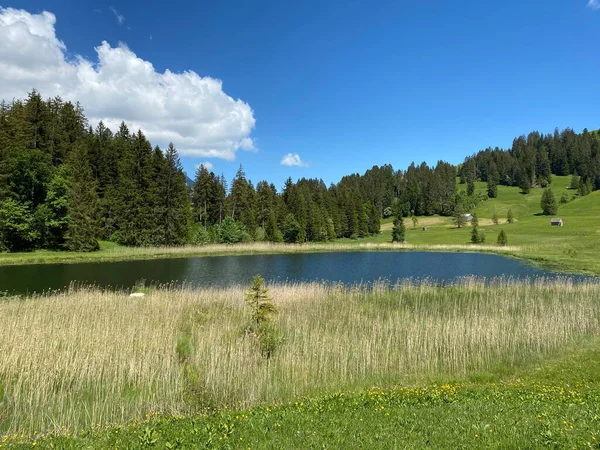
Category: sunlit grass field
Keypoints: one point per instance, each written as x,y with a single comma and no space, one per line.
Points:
573,247
83,360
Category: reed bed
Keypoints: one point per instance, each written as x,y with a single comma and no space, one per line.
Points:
270,247
88,358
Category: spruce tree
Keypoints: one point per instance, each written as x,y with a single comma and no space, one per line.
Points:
495,218
548,203
502,240
203,196
510,218
135,217
399,230
83,207
175,209
492,188
458,216
475,230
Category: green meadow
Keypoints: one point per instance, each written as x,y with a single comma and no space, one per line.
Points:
573,247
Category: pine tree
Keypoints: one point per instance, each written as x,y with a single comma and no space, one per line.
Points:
502,240
175,209
135,218
458,215
509,216
525,184
204,196
399,230
83,204
492,188
374,219
475,230
495,218
548,203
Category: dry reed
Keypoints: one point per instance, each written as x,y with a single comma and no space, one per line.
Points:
86,357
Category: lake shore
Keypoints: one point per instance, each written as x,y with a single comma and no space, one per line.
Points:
545,257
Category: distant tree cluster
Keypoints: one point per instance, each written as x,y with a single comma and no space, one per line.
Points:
532,160
64,185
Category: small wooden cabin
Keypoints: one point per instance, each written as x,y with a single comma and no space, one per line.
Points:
557,222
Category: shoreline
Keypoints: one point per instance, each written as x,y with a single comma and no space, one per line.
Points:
119,254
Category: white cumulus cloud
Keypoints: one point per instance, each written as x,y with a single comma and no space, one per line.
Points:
293,159
594,4
191,111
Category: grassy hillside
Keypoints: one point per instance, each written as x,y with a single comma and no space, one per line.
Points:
572,247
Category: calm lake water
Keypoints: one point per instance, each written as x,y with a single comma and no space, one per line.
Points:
355,267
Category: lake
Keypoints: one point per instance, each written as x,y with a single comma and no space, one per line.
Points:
346,267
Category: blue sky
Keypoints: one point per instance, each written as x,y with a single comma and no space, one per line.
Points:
346,85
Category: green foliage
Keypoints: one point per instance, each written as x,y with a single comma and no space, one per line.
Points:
262,305
172,207
143,199
51,217
495,218
399,230
564,198
575,180
415,221
510,218
83,204
263,311
231,231
199,235
291,229
492,188
476,236
17,231
525,184
458,216
502,239
548,203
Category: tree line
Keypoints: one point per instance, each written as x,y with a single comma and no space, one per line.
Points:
64,185
532,159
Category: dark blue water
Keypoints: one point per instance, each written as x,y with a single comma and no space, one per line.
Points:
354,267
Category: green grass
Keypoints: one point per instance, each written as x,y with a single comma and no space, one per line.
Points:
573,247
550,404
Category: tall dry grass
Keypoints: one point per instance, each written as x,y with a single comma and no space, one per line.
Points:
270,247
88,357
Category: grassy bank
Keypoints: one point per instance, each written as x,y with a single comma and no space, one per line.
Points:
88,359
554,404
111,252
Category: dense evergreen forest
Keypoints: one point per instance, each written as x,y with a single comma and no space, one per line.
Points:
64,185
